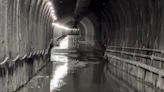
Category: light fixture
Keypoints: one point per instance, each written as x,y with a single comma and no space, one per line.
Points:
51,8
55,18
52,11
61,26
52,14
49,3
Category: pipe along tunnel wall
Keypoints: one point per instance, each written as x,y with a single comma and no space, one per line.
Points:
132,32
25,32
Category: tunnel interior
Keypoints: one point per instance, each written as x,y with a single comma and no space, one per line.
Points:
128,35
108,23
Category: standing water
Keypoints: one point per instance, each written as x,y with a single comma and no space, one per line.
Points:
77,67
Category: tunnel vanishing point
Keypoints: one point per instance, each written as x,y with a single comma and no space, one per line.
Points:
129,32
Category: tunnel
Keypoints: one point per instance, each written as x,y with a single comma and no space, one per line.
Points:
81,45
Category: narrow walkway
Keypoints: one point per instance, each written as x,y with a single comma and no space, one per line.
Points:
78,68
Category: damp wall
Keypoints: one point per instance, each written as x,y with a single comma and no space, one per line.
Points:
24,28
132,33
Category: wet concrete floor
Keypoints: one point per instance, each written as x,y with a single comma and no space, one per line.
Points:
80,68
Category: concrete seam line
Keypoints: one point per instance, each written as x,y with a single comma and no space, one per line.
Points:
16,58
25,56
37,52
34,53
30,55
41,52
46,52
4,61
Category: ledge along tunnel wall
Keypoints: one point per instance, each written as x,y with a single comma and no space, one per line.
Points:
132,32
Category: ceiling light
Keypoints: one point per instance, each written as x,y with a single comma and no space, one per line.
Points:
54,17
49,4
52,11
51,8
61,26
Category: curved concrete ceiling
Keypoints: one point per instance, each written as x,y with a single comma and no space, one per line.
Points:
124,17
64,7
71,8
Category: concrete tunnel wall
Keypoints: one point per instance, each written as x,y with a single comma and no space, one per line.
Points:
25,36
134,23
132,32
25,27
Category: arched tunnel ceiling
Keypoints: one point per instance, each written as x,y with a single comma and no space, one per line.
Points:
129,22
70,8
121,20
64,7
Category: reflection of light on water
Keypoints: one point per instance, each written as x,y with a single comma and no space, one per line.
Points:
64,43
59,58
59,73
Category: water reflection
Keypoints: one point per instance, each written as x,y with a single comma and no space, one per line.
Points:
59,58
64,43
70,74
82,73
60,65
58,75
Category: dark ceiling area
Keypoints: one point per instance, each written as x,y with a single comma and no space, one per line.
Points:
74,8
64,7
